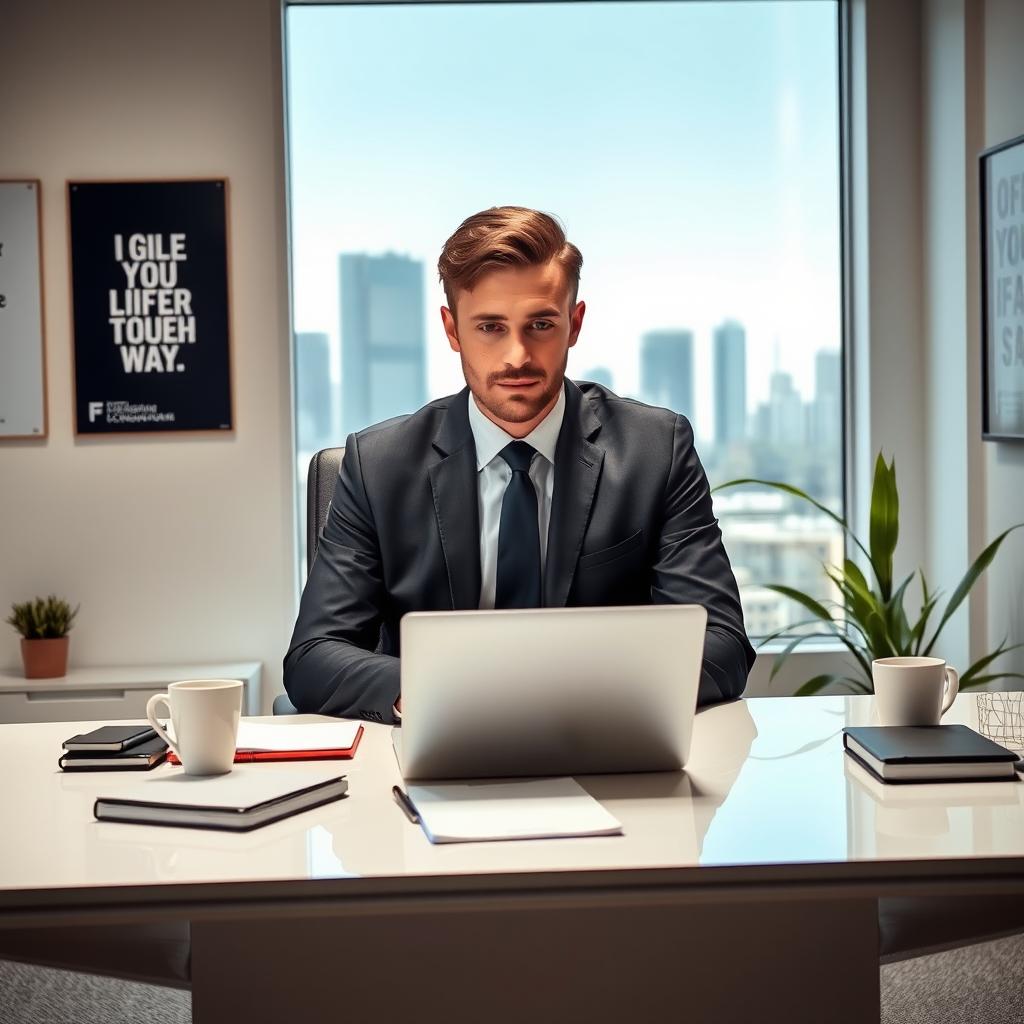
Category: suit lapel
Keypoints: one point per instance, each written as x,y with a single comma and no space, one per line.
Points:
454,487
577,470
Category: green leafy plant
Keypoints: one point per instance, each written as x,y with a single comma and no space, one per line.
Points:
871,621
42,619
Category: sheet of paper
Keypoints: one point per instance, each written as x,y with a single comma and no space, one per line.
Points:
461,812
317,736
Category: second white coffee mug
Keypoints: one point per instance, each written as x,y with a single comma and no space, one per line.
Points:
913,691
204,714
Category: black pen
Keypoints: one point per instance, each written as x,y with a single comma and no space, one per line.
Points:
406,804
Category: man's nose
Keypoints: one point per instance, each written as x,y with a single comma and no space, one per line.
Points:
516,351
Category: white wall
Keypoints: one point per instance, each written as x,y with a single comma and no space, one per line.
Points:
887,342
179,549
951,130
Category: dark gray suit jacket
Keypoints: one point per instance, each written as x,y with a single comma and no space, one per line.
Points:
631,523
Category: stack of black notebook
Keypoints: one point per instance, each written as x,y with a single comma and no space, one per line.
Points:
935,753
114,748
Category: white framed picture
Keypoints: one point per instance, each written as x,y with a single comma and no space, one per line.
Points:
22,337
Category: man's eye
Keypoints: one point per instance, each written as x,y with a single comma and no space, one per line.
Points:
490,328
542,325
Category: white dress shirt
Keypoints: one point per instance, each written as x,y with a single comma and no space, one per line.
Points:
493,475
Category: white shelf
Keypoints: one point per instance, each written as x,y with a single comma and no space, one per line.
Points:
114,692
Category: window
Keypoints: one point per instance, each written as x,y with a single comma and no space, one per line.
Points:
692,152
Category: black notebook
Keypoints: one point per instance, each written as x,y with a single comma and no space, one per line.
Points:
935,753
246,797
111,737
140,757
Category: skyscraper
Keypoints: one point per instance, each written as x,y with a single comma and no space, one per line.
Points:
666,369
383,340
729,350
786,418
827,410
314,398
599,375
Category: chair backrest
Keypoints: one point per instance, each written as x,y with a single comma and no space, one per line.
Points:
320,480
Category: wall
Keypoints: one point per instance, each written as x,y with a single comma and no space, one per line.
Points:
178,549
887,343
951,137
1004,463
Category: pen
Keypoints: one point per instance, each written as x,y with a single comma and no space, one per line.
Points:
406,804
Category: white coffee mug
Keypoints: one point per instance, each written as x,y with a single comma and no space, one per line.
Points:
204,713
913,691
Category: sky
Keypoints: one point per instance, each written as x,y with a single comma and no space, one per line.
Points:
690,150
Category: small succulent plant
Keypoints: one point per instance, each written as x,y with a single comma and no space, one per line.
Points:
43,619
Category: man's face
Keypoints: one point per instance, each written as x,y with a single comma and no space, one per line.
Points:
513,332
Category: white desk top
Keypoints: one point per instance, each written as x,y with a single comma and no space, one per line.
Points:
768,784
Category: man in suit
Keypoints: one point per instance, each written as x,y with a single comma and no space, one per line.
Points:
523,490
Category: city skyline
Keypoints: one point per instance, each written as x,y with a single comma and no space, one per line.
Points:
383,352
712,223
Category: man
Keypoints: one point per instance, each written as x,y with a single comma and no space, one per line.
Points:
523,490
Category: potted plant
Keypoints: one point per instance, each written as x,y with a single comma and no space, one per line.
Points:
871,620
44,625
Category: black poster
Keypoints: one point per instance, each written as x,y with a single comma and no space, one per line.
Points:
150,306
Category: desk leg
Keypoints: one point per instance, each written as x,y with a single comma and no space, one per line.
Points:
475,960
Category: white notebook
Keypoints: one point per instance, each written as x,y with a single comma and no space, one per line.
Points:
301,736
465,812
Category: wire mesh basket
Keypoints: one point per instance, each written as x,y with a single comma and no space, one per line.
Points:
1001,718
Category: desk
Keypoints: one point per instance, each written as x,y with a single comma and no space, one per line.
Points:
746,887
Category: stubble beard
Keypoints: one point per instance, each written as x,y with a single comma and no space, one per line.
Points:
514,408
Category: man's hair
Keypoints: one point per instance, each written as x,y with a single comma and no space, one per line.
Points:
504,237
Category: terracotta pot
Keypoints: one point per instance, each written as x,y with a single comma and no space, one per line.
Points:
45,659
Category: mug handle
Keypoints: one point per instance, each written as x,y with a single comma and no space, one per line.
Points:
151,706
952,687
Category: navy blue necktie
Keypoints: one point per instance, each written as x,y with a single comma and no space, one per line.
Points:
518,583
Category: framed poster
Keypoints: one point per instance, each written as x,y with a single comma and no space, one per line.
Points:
149,294
1002,291
22,342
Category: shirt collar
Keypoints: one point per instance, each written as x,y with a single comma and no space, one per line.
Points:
491,439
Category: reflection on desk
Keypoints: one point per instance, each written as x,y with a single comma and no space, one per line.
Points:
768,783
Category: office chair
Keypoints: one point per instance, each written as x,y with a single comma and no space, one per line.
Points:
320,479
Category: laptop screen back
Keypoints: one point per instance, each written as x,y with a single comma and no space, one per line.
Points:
553,691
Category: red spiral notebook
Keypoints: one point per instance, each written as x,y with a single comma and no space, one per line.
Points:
251,749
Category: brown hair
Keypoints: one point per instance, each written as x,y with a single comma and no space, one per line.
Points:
503,237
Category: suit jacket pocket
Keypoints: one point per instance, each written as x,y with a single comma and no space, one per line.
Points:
616,551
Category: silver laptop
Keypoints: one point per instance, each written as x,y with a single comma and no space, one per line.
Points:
552,691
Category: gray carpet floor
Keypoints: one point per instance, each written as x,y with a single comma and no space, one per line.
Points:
981,984
41,995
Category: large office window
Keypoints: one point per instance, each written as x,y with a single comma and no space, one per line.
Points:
692,152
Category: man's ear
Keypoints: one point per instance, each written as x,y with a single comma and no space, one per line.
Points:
448,319
576,322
